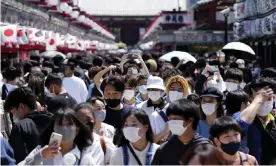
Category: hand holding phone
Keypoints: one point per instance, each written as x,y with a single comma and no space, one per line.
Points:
52,149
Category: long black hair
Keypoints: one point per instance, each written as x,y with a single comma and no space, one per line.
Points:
83,139
143,118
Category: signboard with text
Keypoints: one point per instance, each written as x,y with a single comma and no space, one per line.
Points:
177,18
195,37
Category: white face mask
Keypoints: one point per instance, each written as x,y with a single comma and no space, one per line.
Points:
176,127
131,134
230,86
154,95
266,108
143,89
175,95
208,108
16,119
129,94
242,85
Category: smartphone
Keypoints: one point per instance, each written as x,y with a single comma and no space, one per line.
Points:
55,137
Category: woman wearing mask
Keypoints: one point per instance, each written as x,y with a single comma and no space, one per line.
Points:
76,138
142,89
177,88
102,147
131,84
136,146
99,111
225,133
211,109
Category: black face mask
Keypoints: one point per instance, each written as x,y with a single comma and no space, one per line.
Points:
230,148
112,103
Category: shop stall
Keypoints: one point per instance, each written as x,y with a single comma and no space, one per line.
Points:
256,25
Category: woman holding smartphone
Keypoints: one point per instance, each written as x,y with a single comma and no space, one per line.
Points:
68,150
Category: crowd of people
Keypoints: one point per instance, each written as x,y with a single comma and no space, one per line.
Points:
134,109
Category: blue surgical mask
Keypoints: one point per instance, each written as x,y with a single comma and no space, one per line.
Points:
100,115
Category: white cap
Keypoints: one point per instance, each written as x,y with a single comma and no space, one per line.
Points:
220,54
240,63
155,82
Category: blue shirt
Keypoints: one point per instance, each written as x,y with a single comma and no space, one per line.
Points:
7,156
244,127
138,98
203,129
90,88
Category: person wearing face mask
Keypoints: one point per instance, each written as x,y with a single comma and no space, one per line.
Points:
136,146
142,89
99,111
233,78
155,107
102,147
28,122
60,98
113,88
131,84
258,122
211,109
155,88
76,138
236,101
225,133
183,120
177,88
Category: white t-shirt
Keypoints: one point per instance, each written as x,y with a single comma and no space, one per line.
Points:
96,150
76,88
35,158
118,156
144,107
156,121
107,130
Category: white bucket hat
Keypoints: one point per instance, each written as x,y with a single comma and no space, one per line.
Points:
155,82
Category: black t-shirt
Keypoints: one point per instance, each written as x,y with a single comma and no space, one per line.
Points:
60,101
115,119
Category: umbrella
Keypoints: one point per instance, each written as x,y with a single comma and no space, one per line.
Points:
52,54
181,55
238,46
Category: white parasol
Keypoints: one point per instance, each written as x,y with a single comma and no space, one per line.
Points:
52,54
181,55
239,47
